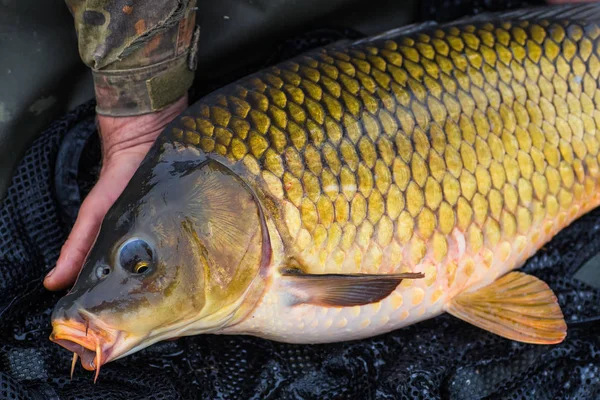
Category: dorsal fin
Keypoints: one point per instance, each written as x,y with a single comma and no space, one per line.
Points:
401,31
585,12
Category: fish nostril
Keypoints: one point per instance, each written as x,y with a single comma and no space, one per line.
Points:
102,271
64,309
58,313
67,308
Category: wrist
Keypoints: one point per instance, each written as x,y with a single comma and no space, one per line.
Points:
143,90
135,134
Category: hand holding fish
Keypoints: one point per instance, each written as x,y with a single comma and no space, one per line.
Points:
125,142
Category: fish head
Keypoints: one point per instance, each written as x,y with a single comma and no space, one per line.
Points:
180,253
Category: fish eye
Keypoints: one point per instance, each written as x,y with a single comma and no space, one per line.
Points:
136,256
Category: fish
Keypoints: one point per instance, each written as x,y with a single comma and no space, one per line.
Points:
356,189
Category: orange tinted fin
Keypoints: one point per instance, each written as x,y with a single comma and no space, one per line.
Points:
339,290
517,306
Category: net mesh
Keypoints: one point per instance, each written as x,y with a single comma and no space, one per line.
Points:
439,358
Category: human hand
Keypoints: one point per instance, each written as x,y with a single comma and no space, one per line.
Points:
125,142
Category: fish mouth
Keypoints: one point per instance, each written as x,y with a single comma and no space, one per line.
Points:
93,345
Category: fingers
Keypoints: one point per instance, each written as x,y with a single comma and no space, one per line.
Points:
73,253
109,187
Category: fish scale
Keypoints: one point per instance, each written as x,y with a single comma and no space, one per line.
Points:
456,151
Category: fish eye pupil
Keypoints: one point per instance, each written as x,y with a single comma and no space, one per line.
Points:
136,257
141,267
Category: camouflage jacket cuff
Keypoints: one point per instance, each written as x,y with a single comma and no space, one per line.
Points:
143,90
142,55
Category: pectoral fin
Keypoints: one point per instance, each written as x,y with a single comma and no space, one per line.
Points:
337,290
517,306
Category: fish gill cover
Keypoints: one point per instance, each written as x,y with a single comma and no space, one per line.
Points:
439,358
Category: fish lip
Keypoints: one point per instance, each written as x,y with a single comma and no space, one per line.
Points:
85,341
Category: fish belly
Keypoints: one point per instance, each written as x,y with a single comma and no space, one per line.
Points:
454,151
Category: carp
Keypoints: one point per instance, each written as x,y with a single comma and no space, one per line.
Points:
356,189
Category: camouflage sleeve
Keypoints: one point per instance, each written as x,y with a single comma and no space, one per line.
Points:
142,53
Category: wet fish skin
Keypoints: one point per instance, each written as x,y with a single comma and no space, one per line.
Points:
357,189
456,151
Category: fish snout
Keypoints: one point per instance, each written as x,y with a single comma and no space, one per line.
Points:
83,334
67,308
